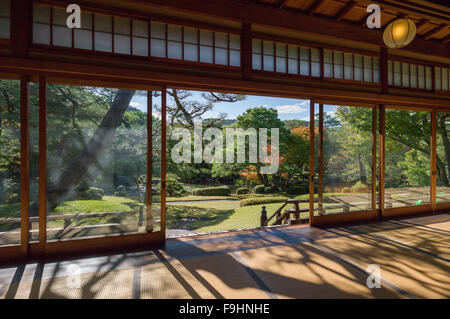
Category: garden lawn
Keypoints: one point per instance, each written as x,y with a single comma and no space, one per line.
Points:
217,216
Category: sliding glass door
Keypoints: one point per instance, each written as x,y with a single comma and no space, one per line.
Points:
443,160
408,160
345,164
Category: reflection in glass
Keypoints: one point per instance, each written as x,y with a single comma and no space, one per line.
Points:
407,179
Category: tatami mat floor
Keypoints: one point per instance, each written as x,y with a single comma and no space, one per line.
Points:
285,262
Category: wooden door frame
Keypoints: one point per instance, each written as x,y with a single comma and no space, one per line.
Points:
420,209
332,219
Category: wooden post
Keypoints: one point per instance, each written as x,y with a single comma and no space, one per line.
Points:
21,26
148,190
320,186
311,163
24,164
382,137
433,159
384,73
42,162
374,158
163,160
246,51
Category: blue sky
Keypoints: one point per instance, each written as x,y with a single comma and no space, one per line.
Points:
288,109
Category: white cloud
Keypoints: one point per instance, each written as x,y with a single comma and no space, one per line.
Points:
291,109
135,104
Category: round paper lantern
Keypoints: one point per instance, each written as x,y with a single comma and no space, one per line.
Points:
399,33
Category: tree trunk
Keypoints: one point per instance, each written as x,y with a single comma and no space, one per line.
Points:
85,168
362,171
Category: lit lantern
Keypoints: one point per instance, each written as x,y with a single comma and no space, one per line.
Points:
399,33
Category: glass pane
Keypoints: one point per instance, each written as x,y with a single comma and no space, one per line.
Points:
140,28
82,39
315,69
122,44
191,52
206,37
405,74
221,56
235,58
256,61
347,160
41,14
156,164
158,30
140,46
103,23
59,17
221,40
103,41
421,71
235,42
390,81
33,105
206,54
96,174
4,28
281,65
268,63
397,74
190,35
10,162
174,50
256,46
413,78
368,69
293,66
445,83
429,78
174,32
407,180
158,48
442,160
62,36
122,26
41,33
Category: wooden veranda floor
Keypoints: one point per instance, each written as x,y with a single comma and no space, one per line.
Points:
277,262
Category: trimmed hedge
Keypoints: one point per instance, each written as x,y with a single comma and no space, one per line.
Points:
359,188
212,191
173,188
259,189
242,191
263,200
92,193
346,190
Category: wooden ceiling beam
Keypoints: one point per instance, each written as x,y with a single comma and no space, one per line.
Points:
433,32
315,7
421,23
345,10
446,39
289,19
282,4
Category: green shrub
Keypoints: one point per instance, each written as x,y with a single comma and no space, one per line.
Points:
173,188
298,189
359,188
259,189
269,189
242,191
346,190
92,193
212,191
263,200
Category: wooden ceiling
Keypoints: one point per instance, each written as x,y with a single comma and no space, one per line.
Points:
432,18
